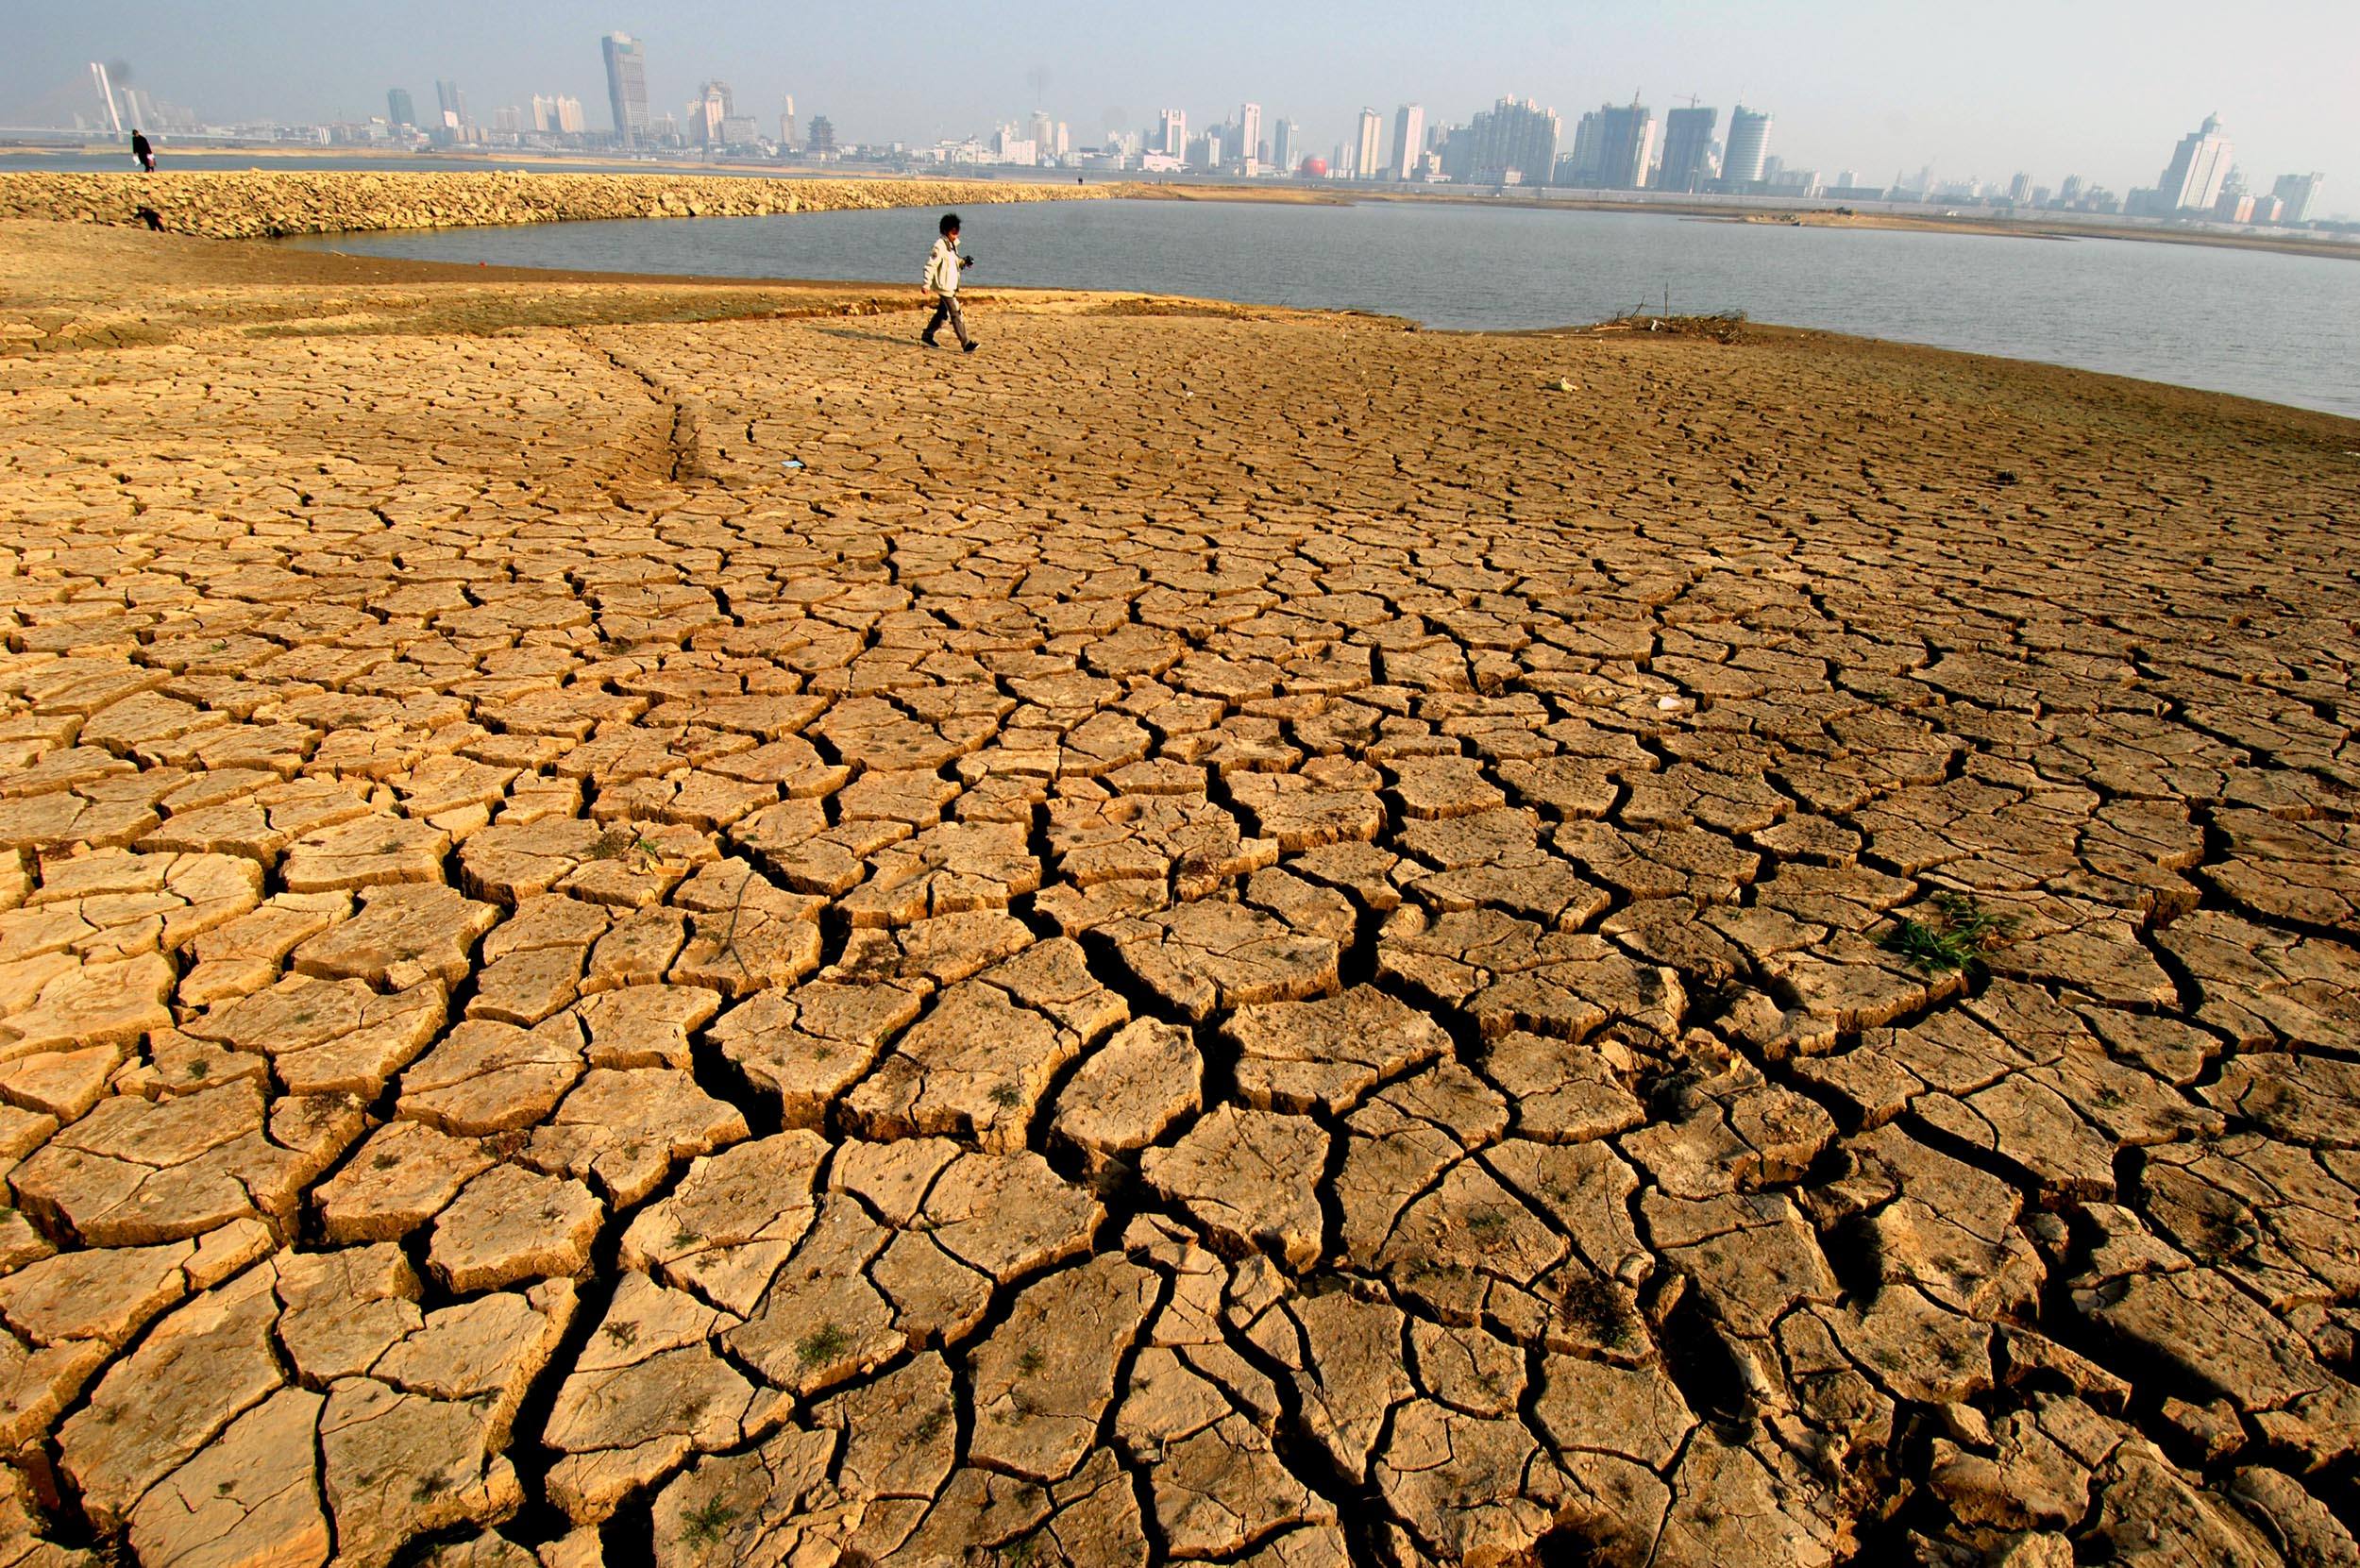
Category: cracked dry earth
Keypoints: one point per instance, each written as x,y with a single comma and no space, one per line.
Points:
1204,939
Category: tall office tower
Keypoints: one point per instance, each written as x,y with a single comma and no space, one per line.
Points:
453,103
712,105
1249,133
105,95
1749,142
1614,146
2070,191
1513,136
2020,188
569,116
1282,147
399,111
1687,147
2295,193
1043,132
1368,152
1173,132
786,126
1408,141
2200,164
627,87
544,114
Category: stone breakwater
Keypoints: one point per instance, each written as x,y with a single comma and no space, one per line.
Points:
267,204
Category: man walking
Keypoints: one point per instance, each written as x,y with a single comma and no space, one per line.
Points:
143,151
942,280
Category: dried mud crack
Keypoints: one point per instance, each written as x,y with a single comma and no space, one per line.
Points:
1234,938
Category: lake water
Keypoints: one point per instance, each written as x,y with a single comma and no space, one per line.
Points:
2282,327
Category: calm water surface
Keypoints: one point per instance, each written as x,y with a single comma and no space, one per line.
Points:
2282,327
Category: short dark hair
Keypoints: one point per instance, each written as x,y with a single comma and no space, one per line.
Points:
949,223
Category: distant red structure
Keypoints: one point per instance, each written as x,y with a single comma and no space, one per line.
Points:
1314,168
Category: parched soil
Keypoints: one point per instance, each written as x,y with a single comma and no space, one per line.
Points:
640,922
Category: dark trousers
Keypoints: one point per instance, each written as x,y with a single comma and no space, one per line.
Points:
946,309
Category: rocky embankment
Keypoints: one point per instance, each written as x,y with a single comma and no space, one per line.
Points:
264,204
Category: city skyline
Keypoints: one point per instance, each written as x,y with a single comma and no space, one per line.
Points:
505,61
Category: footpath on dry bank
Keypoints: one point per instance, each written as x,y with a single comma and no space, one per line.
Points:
1233,938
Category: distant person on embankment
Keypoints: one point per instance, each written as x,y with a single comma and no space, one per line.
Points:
943,268
142,150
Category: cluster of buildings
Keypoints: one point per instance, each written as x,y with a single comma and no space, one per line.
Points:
712,120
2203,180
1614,147
130,108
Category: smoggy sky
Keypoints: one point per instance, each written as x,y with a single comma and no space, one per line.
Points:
2102,88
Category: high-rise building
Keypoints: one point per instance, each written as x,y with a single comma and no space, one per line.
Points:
399,111
107,96
1368,153
1408,141
1042,130
1749,143
2070,191
1173,132
1516,139
2198,167
2020,188
1249,134
453,103
1614,146
627,87
2295,193
786,126
1687,148
712,105
1282,147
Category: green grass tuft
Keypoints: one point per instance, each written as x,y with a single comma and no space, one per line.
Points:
1961,933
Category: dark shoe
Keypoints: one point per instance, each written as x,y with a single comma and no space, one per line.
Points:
928,341
968,348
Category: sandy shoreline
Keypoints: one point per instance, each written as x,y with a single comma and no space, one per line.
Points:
640,922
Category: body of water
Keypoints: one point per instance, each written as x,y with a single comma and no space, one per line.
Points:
2282,327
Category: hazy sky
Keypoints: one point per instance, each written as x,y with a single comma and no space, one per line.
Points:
1982,88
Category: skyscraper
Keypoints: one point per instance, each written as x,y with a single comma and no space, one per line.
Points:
2200,164
399,111
1282,147
1614,146
786,126
627,87
1749,142
2296,193
1687,147
708,110
453,103
1173,131
1249,134
1408,141
1367,156
1513,136
107,94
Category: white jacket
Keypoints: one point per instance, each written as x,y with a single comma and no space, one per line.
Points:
943,268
